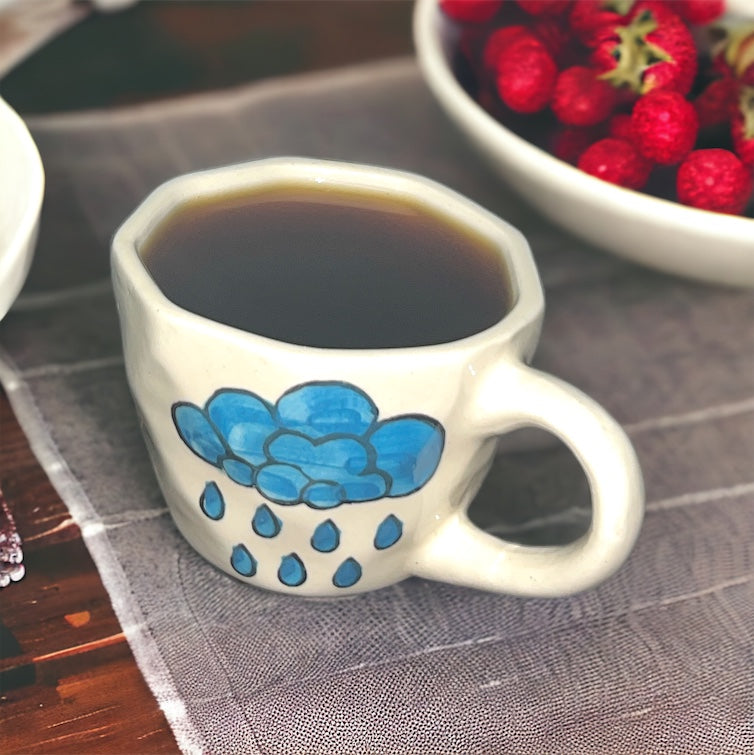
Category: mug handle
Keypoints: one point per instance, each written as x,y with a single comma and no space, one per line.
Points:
512,396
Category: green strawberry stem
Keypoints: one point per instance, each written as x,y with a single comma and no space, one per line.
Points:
746,103
634,54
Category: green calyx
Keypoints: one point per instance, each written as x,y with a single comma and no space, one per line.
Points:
621,7
633,54
738,46
746,104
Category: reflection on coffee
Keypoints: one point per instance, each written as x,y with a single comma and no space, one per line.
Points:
329,269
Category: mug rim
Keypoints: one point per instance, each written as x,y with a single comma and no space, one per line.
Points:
526,310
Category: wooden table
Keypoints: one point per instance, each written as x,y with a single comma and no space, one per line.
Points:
69,681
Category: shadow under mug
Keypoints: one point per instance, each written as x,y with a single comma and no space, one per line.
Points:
330,471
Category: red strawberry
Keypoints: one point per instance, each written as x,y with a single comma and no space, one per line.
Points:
569,142
498,41
582,99
589,18
544,7
714,179
616,161
654,50
698,12
742,127
620,127
665,126
471,11
553,34
716,101
545,30
526,75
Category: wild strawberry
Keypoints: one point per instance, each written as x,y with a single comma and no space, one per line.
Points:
742,127
545,30
620,127
582,99
714,179
716,101
544,7
698,12
616,161
664,126
471,11
498,41
588,20
654,50
553,33
526,75
569,142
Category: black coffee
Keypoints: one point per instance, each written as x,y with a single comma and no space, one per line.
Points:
329,269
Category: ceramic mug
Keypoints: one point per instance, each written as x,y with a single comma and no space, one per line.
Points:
326,472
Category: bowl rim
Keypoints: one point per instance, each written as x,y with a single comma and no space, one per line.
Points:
20,245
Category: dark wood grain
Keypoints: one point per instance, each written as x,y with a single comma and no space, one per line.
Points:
73,685
70,683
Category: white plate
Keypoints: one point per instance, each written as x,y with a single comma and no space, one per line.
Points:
654,232
21,191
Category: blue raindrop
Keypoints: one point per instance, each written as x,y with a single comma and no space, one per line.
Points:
292,571
212,502
242,561
326,537
265,523
388,532
347,574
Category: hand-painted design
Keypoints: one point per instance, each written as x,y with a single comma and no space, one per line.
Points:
326,537
242,561
292,571
388,533
265,523
347,574
211,501
321,444
239,471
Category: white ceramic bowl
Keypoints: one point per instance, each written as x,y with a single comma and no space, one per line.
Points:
21,191
655,232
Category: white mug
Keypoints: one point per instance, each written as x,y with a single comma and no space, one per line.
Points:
328,471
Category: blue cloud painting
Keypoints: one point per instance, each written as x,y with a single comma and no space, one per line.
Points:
320,444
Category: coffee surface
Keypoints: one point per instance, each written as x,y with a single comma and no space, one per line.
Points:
329,269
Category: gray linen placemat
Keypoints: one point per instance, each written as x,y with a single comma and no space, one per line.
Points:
659,659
